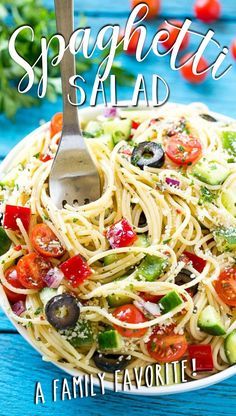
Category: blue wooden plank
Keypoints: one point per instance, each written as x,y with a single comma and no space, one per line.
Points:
168,8
23,367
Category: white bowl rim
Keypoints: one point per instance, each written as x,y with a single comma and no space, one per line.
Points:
89,113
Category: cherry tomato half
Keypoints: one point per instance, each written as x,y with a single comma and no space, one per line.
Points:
187,70
31,270
183,150
154,7
233,48
129,313
45,242
12,278
225,286
173,33
167,348
207,11
56,124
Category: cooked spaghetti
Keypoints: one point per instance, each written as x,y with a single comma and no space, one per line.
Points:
146,273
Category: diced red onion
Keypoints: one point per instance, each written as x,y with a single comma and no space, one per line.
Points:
53,278
19,307
110,112
150,307
173,182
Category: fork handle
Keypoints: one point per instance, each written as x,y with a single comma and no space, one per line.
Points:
65,26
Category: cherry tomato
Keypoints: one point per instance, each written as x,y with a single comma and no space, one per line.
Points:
148,297
31,270
225,286
121,234
12,213
129,313
233,48
45,242
173,33
187,71
165,348
207,10
56,124
132,46
12,278
154,7
197,262
76,270
203,356
183,149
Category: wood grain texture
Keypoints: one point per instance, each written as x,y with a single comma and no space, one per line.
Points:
21,366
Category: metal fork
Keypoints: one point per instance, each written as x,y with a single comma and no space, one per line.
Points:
74,178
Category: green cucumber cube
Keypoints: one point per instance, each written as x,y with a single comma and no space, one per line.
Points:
109,340
170,301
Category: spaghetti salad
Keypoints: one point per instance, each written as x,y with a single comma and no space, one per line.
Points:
146,273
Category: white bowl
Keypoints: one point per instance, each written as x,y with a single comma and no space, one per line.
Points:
85,114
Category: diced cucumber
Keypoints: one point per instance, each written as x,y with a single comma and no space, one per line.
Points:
209,321
94,128
230,347
81,335
46,294
225,238
228,139
111,258
151,267
142,241
119,129
211,172
170,301
115,300
5,242
109,340
228,198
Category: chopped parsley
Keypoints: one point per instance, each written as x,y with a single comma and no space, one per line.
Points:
206,196
38,311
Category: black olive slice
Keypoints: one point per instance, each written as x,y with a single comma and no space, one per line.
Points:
110,362
184,277
62,311
208,117
142,220
148,154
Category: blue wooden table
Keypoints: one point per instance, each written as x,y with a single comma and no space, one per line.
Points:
21,366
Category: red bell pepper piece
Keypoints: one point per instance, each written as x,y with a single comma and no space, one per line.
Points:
203,355
45,157
135,125
76,270
121,234
197,262
12,213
